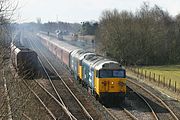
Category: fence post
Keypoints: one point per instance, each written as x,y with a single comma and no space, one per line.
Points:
141,73
149,76
145,74
175,86
154,77
164,81
169,83
159,78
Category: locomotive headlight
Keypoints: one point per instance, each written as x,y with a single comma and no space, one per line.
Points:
112,83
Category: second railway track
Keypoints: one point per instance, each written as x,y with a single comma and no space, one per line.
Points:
54,109
161,109
134,108
69,99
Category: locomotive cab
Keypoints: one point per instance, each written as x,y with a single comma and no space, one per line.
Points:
110,82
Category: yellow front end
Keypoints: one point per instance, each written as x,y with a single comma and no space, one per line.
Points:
110,91
110,85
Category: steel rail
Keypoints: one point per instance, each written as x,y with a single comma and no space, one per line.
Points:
157,98
130,114
114,117
63,107
125,110
144,100
62,102
50,113
83,108
154,114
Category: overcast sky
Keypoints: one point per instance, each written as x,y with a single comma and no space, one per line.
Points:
83,10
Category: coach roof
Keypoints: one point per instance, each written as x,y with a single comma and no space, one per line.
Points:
61,44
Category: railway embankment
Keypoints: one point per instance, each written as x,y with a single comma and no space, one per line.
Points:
3,93
16,101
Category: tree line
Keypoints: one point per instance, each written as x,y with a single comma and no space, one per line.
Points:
63,26
88,28
149,36
85,28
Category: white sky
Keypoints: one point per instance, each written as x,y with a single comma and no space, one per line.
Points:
83,10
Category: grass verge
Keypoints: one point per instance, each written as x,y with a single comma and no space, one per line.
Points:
168,71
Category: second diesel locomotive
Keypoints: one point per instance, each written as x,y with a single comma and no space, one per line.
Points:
103,78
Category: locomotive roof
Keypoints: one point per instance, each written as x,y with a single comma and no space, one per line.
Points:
92,58
99,62
81,54
85,54
75,52
61,44
108,65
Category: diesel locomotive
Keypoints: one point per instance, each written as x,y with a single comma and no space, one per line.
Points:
105,79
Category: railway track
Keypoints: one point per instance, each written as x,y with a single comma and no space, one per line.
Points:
60,110
130,112
65,95
119,113
160,108
53,113
143,110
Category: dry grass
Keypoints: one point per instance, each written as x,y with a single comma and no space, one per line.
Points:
161,70
168,71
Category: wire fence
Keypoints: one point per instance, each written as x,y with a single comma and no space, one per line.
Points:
161,80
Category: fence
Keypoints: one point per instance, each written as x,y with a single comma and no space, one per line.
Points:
153,77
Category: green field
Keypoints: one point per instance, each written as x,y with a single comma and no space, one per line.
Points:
168,71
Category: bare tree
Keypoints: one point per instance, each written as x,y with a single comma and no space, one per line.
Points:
149,36
7,10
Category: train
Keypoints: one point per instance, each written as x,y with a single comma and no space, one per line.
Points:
103,78
24,60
